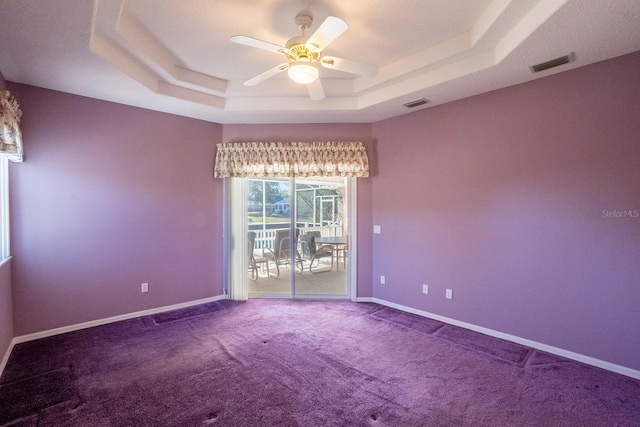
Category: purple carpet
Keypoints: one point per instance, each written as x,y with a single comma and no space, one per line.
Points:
302,363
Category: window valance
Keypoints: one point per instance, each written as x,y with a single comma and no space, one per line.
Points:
291,159
10,136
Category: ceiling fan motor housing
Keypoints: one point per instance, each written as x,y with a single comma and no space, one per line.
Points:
297,50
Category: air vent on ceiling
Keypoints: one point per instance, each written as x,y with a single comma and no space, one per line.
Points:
416,103
553,63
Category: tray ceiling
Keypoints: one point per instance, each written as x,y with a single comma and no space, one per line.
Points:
176,56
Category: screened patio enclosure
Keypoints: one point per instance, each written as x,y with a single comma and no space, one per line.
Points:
317,210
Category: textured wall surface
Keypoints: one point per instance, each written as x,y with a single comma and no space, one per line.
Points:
509,199
109,197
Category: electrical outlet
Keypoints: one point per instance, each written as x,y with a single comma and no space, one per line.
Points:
382,280
449,294
425,289
144,288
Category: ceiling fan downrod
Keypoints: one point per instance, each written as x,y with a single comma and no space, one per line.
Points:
297,48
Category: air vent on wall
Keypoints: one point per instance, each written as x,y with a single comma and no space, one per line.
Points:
553,63
416,103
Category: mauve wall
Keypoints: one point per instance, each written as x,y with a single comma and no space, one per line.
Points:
500,198
325,132
108,197
6,310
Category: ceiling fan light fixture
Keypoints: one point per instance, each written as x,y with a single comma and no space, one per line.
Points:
303,72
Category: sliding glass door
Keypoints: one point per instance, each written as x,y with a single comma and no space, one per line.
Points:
298,235
269,229
322,226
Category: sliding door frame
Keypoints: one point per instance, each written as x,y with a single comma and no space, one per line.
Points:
235,256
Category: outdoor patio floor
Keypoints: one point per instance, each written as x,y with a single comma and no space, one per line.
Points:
327,283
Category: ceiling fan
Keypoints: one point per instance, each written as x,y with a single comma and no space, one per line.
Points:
305,53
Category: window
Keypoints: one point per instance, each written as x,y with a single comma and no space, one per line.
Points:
10,149
4,209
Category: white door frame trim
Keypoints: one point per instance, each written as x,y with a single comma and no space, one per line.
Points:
235,276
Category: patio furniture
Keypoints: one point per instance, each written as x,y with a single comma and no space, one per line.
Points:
338,244
254,260
281,253
312,253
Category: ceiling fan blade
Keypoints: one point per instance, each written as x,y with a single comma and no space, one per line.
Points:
267,74
316,92
327,32
250,41
353,67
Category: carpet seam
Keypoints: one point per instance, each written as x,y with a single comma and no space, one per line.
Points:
527,357
36,376
520,363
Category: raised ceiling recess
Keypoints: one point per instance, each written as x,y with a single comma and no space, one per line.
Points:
420,58
182,57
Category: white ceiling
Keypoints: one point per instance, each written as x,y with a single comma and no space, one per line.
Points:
176,55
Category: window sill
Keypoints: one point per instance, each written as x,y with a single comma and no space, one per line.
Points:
6,260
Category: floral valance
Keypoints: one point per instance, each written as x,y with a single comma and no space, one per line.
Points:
10,136
291,159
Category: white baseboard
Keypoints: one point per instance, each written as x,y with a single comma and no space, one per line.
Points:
623,370
92,323
5,358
